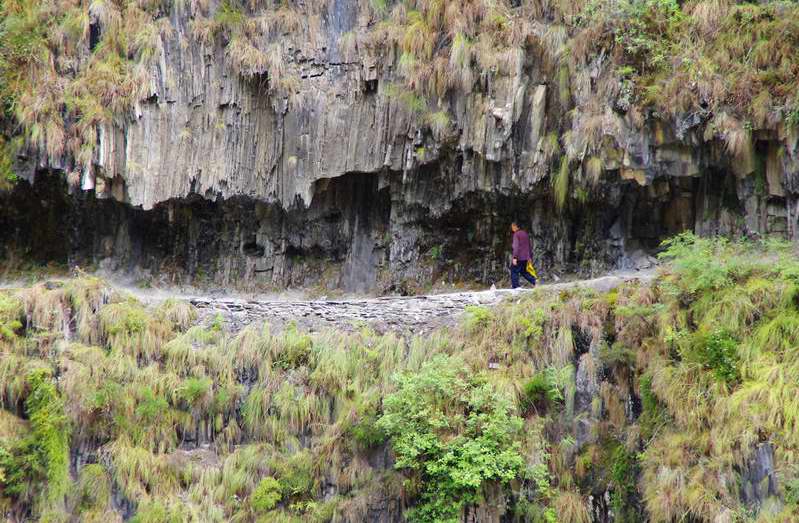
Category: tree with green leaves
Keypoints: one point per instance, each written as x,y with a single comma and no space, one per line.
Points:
454,434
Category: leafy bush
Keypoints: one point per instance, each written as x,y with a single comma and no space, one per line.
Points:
295,475
194,389
294,350
10,314
366,431
698,263
454,432
645,28
721,352
40,461
266,495
717,351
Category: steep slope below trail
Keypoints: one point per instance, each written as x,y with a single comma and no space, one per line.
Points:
585,402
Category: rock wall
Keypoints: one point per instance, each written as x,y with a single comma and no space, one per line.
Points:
345,183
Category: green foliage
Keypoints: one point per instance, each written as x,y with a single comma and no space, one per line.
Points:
10,314
125,318
266,495
718,352
653,415
151,406
380,7
295,475
477,317
366,431
47,80
7,152
542,391
229,16
792,489
617,354
623,474
560,183
700,263
24,471
159,511
50,430
40,461
646,31
294,348
411,100
194,389
455,432
709,346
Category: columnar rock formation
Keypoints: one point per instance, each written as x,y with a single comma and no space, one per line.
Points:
344,177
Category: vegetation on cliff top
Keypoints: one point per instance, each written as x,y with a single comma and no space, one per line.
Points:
526,410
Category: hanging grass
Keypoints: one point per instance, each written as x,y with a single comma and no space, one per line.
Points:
687,377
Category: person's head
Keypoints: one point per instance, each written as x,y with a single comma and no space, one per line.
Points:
514,226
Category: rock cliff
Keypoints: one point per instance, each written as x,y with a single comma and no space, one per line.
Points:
326,163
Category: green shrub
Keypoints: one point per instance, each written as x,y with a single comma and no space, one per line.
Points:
792,488
266,495
699,264
617,354
50,430
151,406
295,475
194,389
454,433
366,431
10,315
38,464
93,488
294,349
161,511
718,352
647,30
722,356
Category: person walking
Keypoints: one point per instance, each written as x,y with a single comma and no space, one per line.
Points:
522,254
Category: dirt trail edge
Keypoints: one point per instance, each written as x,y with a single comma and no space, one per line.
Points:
411,313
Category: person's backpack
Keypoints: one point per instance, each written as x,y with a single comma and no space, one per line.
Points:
531,270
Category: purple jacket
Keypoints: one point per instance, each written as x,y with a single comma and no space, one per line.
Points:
521,246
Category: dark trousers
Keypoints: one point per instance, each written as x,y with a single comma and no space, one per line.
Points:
520,269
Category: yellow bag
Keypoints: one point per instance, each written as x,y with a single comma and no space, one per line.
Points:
531,270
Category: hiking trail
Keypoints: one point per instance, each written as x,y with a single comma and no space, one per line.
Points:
414,313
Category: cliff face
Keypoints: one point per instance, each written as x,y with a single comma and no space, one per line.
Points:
219,170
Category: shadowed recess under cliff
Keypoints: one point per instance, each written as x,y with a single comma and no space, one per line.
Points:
373,232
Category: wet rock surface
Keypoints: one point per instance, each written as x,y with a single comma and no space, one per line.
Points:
759,478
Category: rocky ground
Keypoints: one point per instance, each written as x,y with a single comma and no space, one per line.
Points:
417,314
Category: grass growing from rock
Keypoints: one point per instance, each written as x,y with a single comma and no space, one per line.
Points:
654,397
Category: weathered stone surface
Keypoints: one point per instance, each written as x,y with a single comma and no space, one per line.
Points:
414,314
343,184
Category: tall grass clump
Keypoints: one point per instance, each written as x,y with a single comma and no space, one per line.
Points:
659,394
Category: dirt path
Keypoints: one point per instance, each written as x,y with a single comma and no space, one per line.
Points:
414,313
